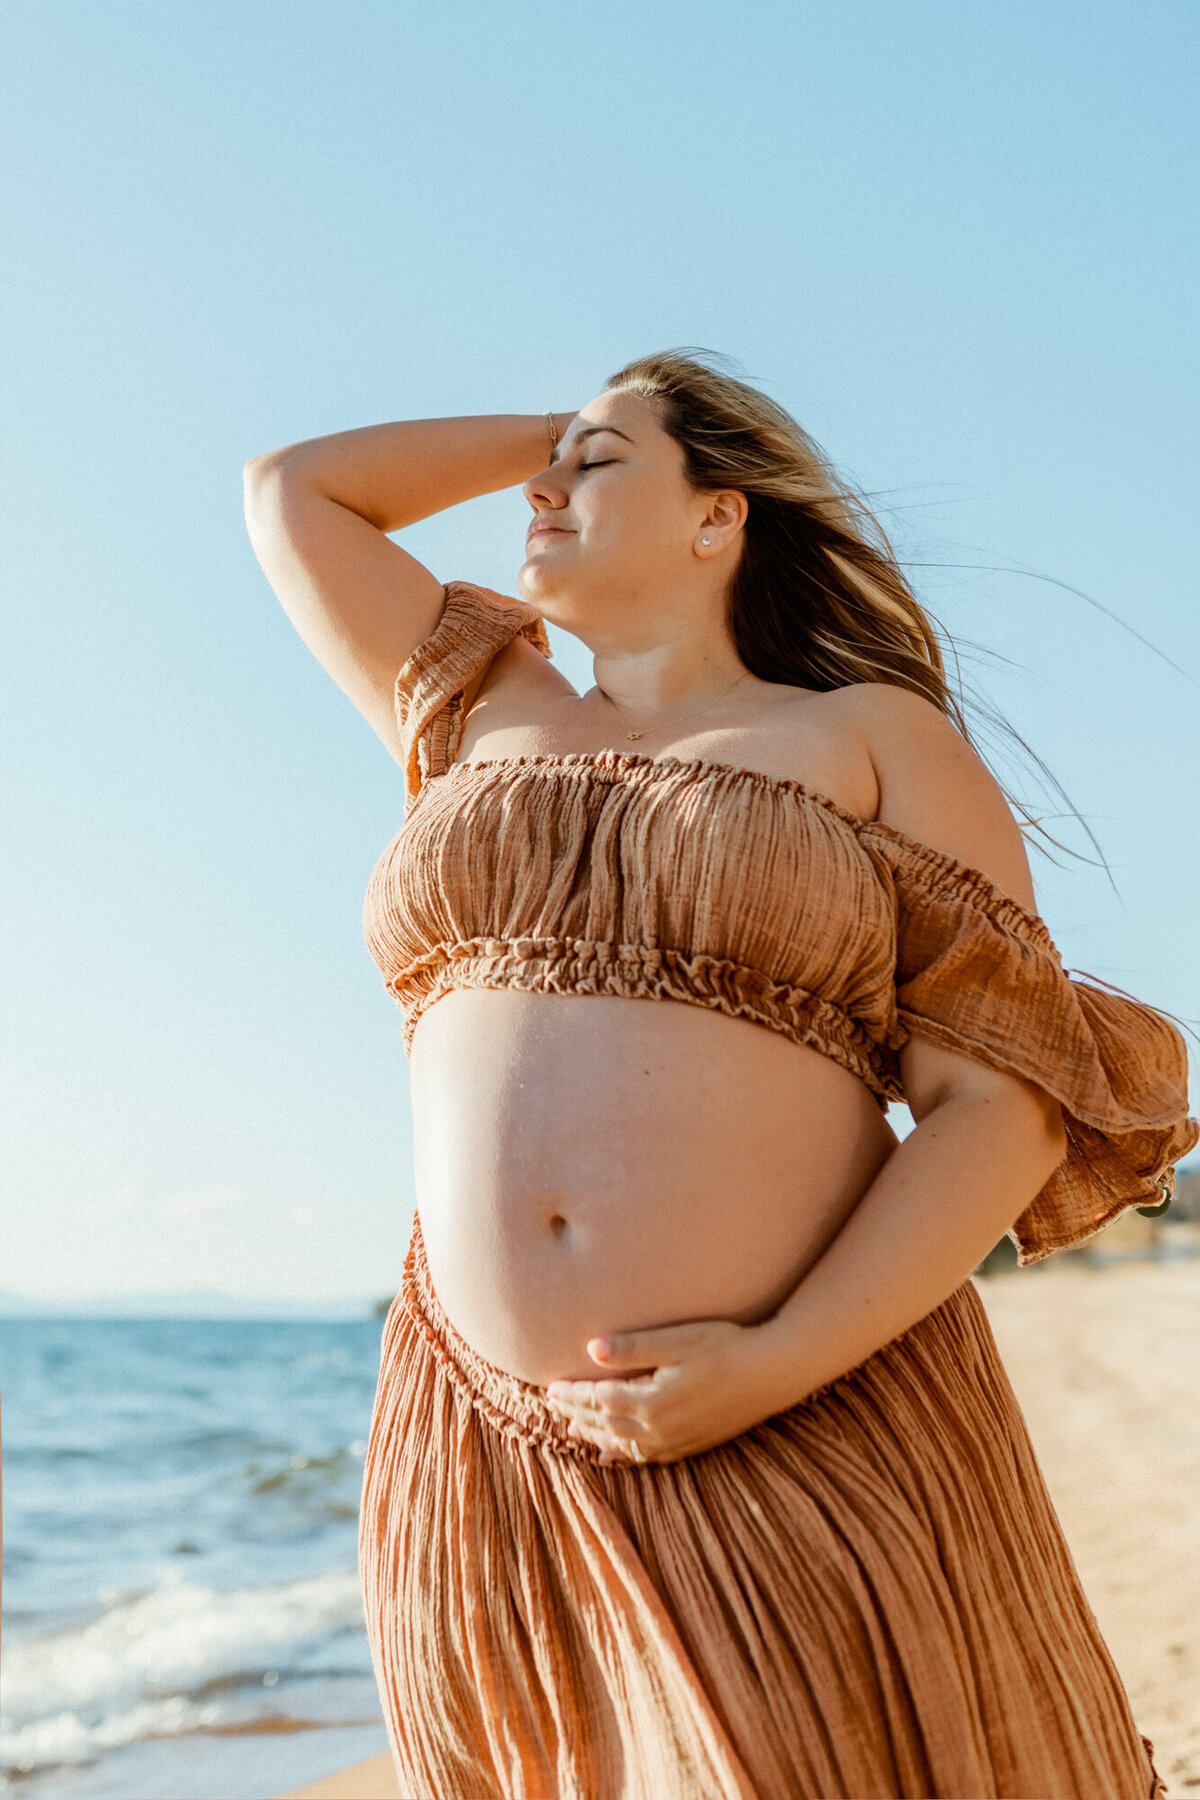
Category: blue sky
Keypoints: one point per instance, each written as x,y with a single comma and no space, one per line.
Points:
957,240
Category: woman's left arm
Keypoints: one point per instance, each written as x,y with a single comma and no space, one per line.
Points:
984,1145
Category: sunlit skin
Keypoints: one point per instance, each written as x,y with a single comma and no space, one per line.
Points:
623,554
676,1222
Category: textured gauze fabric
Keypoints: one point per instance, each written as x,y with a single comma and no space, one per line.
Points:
868,1596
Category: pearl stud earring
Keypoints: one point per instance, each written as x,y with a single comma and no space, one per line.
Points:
706,540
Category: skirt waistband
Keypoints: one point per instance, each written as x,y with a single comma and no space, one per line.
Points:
519,1409
514,1407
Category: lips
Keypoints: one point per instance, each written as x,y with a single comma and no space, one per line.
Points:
537,531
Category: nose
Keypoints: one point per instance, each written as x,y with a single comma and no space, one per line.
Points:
543,490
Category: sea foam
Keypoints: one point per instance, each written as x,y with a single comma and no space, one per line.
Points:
166,1662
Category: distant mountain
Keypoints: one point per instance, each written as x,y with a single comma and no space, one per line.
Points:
13,1306
195,1303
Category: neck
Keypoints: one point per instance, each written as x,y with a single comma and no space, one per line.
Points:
667,679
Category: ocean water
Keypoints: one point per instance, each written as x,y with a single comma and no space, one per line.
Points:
182,1613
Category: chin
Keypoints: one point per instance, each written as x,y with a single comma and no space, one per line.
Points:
555,605
535,585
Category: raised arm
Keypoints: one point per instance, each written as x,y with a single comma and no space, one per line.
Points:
318,513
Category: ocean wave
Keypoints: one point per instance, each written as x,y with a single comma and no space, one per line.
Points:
143,1667
65,1738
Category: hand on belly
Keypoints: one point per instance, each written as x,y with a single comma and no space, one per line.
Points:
670,1393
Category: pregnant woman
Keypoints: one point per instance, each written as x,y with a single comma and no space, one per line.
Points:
694,1473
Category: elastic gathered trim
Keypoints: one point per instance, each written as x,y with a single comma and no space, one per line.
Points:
636,971
938,873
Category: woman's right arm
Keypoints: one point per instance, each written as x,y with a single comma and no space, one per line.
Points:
318,513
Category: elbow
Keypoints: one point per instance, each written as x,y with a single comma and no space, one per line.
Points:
1055,1132
266,483
261,471
1038,1118
1013,1114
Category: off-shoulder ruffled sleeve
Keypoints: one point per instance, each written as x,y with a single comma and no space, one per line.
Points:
978,973
475,625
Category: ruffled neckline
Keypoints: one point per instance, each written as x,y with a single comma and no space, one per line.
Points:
689,765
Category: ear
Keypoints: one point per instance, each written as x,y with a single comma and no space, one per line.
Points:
727,511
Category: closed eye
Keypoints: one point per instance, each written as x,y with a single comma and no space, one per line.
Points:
600,465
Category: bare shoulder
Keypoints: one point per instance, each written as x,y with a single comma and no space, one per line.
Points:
933,785
511,690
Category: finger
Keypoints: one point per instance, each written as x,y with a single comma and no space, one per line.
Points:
622,1434
597,1401
611,1458
626,1398
572,1393
646,1349
598,1440
615,1436
624,1450
584,1411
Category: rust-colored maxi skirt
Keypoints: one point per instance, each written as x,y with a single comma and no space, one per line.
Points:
867,1597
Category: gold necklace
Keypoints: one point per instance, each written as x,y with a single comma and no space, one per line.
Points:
677,721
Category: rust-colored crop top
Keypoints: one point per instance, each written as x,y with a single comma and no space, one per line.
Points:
680,879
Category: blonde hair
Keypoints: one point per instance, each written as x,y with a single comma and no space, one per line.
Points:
818,599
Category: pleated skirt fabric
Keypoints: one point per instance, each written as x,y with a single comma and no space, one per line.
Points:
866,1597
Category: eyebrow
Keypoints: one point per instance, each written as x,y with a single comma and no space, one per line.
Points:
590,431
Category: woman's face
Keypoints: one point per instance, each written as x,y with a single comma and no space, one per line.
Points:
615,523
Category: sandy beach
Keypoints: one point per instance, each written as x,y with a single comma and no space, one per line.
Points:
374,1780
1106,1364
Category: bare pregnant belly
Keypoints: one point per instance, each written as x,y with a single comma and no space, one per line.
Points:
589,1163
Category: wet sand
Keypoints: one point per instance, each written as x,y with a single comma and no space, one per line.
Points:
1106,1365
